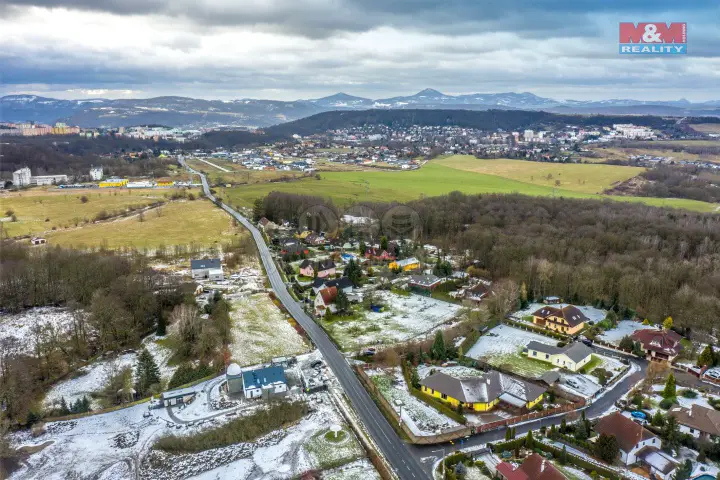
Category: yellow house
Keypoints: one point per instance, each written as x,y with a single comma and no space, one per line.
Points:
572,357
405,265
303,235
113,182
483,393
568,319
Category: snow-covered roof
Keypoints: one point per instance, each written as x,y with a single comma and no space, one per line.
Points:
234,370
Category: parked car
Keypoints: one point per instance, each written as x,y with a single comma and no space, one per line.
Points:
587,342
572,382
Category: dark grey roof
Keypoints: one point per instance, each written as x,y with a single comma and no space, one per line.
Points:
483,389
305,263
550,377
205,263
424,280
575,351
325,265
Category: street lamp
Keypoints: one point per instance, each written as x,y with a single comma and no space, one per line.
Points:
442,460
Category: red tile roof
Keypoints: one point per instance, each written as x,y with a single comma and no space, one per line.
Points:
627,432
328,295
663,341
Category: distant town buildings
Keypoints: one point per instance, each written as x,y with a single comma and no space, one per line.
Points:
34,130
24,178
96,173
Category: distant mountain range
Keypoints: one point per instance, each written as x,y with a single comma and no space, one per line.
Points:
183,111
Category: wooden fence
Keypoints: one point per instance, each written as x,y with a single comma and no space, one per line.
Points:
461,431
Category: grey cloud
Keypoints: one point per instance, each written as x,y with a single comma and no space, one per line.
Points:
323,18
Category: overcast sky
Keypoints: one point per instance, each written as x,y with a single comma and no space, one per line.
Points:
291,49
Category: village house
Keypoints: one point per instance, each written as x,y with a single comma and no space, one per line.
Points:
572,357
266,381
568,319
483,393
631,437
325,268
477,293
207,269
314,239
325,300
700,422
405,265
423,283
659,345
293,247
307,268
343,283
264,224
378,254
38,241
534,467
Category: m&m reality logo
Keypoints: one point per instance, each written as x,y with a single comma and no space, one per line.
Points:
653,38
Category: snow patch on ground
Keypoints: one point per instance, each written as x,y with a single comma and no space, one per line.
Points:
593,314
262,331
16,330
91,379
624,328
419,417
405,317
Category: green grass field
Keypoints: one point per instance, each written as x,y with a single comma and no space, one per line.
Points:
39,210
576,177
196,222
435,178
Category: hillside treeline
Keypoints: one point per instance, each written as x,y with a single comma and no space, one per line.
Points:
634,258
114,301
681,182
483,120
49,159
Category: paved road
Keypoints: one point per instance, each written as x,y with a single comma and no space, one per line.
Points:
395,450
405,459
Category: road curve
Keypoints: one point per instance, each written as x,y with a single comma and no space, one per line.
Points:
404,463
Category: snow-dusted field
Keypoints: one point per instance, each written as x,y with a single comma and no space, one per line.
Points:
624,327
503,345
261,331
90,379
116,446
405,317
93,377
594,314
418,416
16,330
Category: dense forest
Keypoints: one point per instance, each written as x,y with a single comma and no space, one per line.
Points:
681,182
114,300
633,258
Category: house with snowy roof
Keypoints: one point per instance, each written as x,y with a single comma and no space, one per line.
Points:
572,357
482,393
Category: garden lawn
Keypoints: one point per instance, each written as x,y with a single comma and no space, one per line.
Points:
502,347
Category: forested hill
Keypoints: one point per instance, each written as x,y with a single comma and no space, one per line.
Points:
484,120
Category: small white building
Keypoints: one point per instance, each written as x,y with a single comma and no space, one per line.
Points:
266,381
37,241
96,173
178,397
207,269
